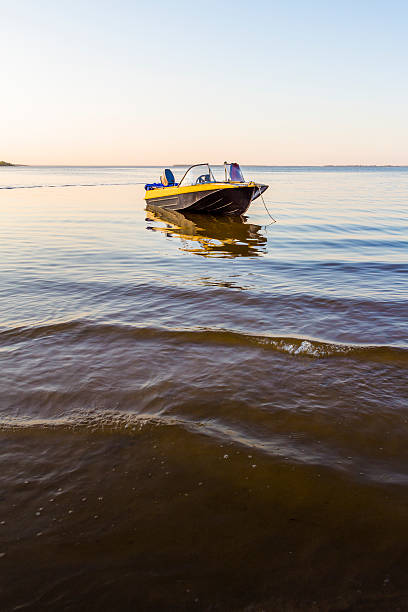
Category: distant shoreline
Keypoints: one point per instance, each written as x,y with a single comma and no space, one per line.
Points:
4,164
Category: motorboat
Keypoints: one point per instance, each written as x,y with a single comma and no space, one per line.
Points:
199,191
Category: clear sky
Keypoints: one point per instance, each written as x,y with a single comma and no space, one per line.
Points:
141,82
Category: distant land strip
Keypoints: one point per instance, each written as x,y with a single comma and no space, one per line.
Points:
9,164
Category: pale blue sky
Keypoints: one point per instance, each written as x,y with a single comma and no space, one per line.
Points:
160,82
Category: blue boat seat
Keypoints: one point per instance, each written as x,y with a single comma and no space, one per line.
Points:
150,186
166,180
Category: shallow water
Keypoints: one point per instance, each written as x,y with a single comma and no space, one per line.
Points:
200,413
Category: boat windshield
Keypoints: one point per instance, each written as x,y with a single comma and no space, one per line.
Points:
233,173
197,175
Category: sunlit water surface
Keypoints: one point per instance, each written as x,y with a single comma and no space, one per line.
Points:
201,413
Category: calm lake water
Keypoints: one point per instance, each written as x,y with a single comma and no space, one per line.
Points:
203,414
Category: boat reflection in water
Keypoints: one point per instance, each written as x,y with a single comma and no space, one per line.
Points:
207,235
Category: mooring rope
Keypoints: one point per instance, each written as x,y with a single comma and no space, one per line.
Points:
273,220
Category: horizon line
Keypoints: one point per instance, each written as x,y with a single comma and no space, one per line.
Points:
158,165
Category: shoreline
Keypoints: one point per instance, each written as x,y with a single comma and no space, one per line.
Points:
4,164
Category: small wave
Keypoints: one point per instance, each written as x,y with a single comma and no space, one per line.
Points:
286,449
106,421
85,419
97,420
79,330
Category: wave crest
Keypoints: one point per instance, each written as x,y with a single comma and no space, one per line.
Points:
80,330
